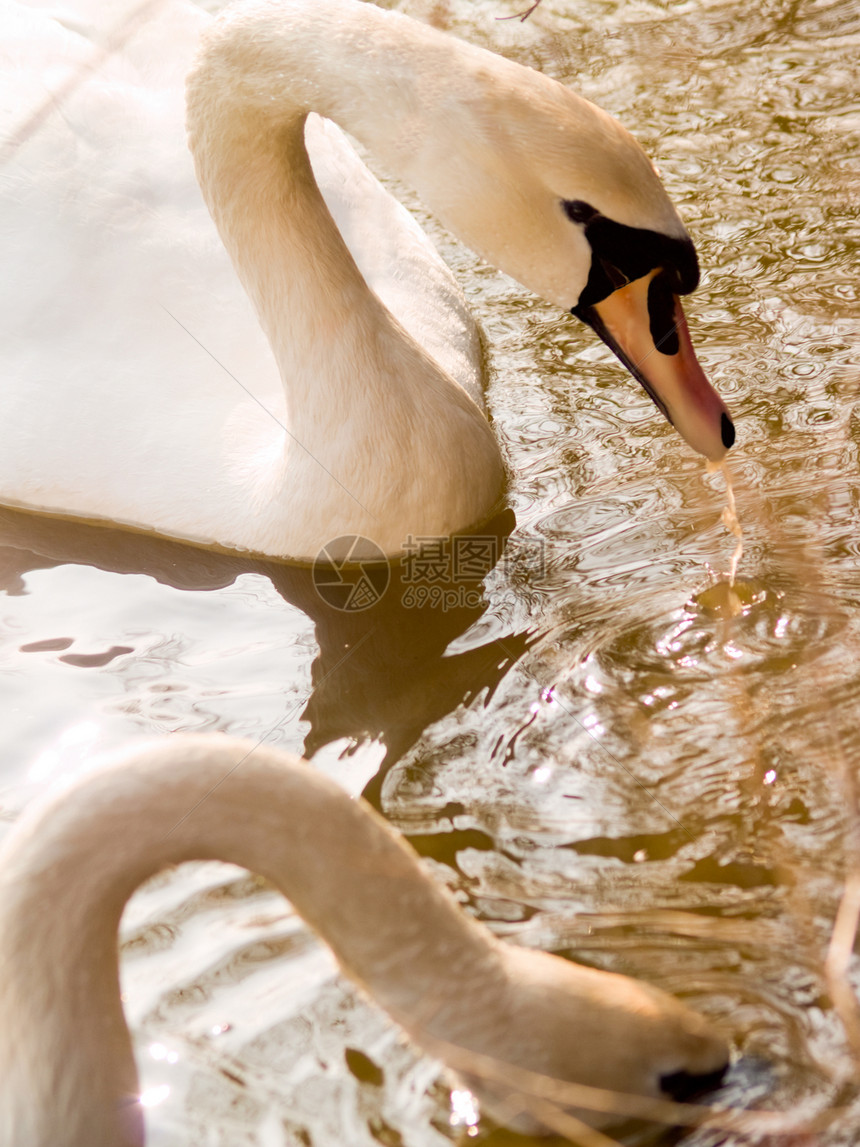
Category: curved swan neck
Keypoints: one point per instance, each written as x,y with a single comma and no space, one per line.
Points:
63,887
261,71
266,65
476,135
311,299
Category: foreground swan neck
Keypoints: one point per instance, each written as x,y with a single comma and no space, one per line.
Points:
67,1073
62,893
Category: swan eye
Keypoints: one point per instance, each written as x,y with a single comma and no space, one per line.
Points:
578,211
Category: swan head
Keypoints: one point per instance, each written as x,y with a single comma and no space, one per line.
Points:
593,1029
631,299
556,193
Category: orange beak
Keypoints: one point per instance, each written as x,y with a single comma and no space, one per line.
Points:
646,329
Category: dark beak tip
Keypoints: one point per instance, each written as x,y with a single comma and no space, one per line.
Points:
727,431
683,1086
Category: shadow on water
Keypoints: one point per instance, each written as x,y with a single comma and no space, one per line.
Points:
383,670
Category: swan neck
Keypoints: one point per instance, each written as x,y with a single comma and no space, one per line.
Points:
260,74
257,181
393,930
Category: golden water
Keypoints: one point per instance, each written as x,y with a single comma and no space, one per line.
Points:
605,755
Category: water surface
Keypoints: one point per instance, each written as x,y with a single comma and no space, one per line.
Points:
596,757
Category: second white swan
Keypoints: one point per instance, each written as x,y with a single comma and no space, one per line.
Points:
136,387
67,1073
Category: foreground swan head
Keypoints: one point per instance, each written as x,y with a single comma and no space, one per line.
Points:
67,1074
539,181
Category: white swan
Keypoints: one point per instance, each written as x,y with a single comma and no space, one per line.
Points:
136,385
67,1073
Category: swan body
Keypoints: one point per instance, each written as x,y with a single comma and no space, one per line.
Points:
67,1073
138,386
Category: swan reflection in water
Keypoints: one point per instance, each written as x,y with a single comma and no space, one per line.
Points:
383,673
